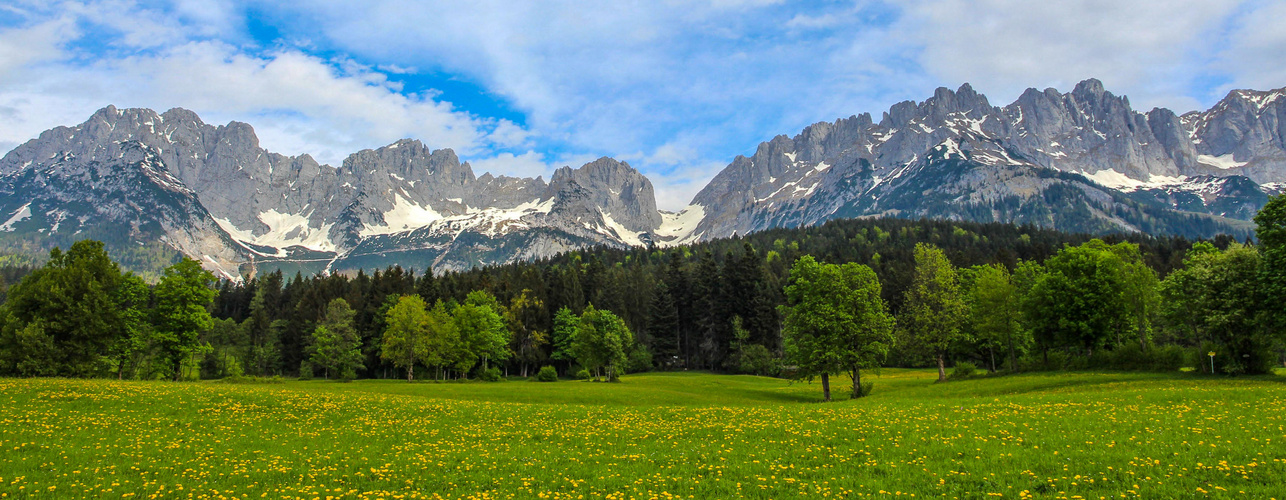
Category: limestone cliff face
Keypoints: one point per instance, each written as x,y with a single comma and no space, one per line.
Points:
247,205
955,155
149,183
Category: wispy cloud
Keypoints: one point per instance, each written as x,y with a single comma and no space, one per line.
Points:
676,87
298,102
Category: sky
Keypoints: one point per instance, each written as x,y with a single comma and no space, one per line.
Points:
675,88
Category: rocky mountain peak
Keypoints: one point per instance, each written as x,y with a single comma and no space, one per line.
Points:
623,194
1090,87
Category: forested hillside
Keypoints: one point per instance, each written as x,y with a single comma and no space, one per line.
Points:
695,290
718,305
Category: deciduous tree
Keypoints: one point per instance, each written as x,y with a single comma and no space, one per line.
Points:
934,308
183,298
835,320
404,342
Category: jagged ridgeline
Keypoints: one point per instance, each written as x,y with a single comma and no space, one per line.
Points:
154,186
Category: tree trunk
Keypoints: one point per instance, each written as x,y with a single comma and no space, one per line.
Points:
857,383
410,372
942,368
826,387
992,350
178,369
1143,340
1013,359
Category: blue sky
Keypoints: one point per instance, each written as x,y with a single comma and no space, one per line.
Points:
676,88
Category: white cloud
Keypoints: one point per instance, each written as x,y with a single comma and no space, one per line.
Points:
676,187
1143,48
298,103
529,164
684,85
1256,53
21,47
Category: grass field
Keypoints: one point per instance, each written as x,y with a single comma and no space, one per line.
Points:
1079,435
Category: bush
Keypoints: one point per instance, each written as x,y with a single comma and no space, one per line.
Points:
490,375
756,359
1036,361
1131,357
1248,358
582,375
864,390
305,371
964,369
347,374
547,374
243,379
640,360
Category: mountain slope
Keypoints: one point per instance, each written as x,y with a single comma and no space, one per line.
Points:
249,208
158,185
956,156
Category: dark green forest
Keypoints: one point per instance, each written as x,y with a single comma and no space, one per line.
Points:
1126,301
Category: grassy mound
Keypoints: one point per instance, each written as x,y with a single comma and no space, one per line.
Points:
1090,435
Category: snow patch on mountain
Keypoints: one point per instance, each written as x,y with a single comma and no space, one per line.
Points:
1116,180
405,215
614,228
19,215
284,230
1223,161
677,228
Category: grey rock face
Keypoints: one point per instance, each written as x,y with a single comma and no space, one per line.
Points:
1243,134
266,208
619,190
956,156
1082,160
121,194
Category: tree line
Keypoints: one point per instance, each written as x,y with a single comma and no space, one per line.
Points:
1005,296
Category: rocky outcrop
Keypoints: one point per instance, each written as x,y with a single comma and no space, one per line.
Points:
257,208
1085,160
906,164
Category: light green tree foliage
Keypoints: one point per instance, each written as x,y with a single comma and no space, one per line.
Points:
746,356
134,342
482,331
443,344
564,331
934,308
404,342
526,342
835,320
1079,299
994,313
1139,292
336,347
1271,230
1215,298
602,343
183,298
70,303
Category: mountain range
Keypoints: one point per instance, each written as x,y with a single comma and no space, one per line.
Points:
156,185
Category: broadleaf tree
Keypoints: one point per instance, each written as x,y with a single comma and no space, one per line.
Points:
835,320
183,298
405,341
933,308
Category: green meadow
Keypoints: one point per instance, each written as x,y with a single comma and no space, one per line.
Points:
660,435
